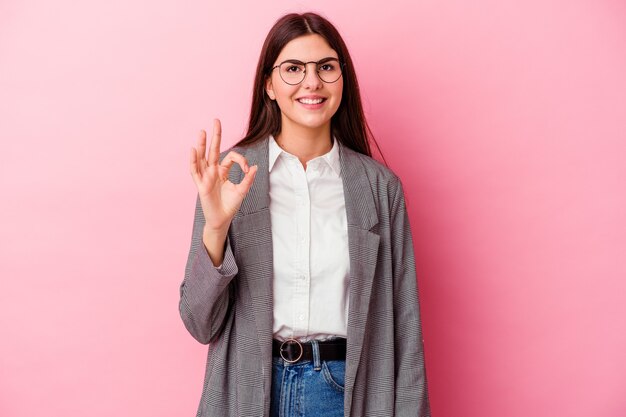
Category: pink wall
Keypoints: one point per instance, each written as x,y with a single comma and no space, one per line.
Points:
505,120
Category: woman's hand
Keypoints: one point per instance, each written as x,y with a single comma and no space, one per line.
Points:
219,197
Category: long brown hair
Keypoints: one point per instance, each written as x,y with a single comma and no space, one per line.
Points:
348,124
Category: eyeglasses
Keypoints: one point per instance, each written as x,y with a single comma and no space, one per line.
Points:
293,71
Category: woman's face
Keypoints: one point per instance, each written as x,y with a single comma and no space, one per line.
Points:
312,103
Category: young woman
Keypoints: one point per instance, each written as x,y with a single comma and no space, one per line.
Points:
301,274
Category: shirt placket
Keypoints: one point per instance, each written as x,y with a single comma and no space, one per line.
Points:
302,269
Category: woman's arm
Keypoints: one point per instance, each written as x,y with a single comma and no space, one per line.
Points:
410,382
204,299
204,293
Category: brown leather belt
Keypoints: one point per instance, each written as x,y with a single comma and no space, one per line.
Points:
293,351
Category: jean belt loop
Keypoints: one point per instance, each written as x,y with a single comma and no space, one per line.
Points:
317,365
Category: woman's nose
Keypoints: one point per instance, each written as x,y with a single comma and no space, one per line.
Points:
311,79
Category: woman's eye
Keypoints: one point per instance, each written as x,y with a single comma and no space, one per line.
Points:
327,67
294,68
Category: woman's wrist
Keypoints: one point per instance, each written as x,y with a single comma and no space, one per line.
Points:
214,242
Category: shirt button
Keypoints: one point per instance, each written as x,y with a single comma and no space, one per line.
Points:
301,317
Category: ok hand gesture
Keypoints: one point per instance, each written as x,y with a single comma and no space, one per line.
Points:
219,197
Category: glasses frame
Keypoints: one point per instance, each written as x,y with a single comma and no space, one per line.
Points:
317,63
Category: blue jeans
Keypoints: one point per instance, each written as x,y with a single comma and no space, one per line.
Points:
307,388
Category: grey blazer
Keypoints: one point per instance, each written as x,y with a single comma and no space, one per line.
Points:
230,307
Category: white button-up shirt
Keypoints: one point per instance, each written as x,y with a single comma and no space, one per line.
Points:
310,244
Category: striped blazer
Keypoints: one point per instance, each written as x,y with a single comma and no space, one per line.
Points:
230,308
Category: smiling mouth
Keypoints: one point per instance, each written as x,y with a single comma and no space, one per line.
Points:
311,100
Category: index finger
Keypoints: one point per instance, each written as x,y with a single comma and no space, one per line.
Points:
214,149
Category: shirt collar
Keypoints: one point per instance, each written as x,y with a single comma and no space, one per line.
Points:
331,158
274,152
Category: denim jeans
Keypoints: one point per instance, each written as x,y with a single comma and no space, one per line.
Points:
307,388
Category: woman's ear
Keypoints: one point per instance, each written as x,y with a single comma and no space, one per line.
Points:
269,88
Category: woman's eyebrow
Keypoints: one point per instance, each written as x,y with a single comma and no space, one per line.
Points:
321,61
294,61
328,58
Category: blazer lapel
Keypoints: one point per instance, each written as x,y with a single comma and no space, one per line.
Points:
363,244
252,233
258,197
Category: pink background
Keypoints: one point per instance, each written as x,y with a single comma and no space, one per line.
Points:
506,121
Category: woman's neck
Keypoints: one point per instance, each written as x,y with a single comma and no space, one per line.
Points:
304,142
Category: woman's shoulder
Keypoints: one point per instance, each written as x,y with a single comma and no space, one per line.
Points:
255,153
249,149
371,167
385,186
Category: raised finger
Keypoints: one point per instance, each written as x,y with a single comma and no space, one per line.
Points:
201,152
201,144
214,148
193,164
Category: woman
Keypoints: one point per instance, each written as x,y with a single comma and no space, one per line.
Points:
301,274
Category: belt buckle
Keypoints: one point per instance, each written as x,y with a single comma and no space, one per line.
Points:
291,342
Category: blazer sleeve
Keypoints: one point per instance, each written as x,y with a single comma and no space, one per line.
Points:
205,293
411,393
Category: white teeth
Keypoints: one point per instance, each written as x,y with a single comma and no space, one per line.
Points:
310,100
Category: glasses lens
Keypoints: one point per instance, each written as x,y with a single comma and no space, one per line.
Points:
292,73
329,71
